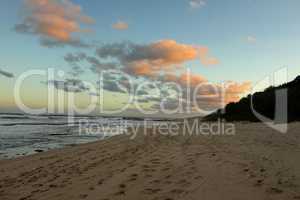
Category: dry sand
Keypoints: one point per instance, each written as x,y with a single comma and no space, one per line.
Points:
256,163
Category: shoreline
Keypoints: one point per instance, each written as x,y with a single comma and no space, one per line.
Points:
256,163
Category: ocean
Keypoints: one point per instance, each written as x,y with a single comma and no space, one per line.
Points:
22,134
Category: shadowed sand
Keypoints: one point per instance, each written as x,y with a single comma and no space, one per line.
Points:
256,163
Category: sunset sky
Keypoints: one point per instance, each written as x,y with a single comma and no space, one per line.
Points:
232,41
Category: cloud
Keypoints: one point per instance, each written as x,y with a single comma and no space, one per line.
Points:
69,85
206,94
120,25
197,3
139,100
192,79
94,94
185,79
153,58
195,92
6,74
113,86
234,90
214,96
55,21
161,53
251,39
74,58
74,42
112,82
205,59
142,92
159,63
95,64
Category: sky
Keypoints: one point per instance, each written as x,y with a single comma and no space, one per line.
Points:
234,42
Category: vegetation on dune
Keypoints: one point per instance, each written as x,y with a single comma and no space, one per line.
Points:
263,103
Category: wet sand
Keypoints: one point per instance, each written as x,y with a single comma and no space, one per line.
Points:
256,163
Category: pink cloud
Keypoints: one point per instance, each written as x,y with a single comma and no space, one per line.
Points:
56,20
205,58
120,25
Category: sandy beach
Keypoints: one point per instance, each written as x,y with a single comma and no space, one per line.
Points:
256,163
150,100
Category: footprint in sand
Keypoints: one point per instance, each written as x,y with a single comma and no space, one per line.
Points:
151,191
23,198
198,177
262,170
123,170
155,161
91,188
122,192
83,196
166,169
275,190
148,176
259,182
168,176
177,191
53,186
183,182
155,181
132,177
168,182
246,170
100,182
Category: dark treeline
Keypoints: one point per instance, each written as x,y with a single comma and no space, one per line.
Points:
263,103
